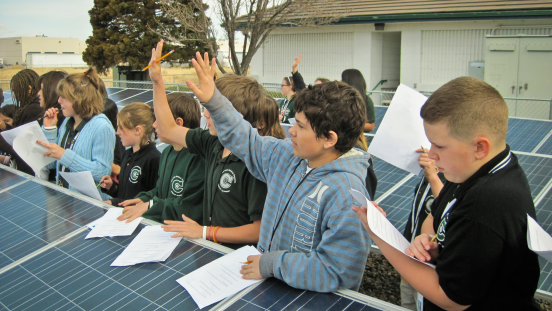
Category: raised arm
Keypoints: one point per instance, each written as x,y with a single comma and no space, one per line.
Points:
298,80
167,129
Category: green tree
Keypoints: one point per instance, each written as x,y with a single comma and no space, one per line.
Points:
124,31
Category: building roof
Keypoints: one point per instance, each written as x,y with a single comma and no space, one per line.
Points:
380,11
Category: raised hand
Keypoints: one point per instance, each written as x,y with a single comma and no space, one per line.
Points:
296,63
205,75
155,67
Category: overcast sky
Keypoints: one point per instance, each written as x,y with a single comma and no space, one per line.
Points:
52,18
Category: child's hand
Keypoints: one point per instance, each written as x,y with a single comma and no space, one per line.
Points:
362,214
133,212
106,182
155,67
427,164
108,202
252,270
422,248
296,63
130,202
54,151
205,75
187,228
50,117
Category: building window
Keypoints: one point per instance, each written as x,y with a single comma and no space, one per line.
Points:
33,52
68,52
50,52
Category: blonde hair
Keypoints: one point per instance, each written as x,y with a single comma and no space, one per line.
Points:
135,114
469,107
83,91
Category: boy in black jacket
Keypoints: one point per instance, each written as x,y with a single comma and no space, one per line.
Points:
480,217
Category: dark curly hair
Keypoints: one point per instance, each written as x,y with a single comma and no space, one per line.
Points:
333,106
24,90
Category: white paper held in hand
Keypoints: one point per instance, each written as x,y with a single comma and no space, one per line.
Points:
218,279
401,131
83,182
108,225
26,147
538,240
10,135
381,226
152,244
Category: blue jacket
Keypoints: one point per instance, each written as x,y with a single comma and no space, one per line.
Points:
319,243
93,150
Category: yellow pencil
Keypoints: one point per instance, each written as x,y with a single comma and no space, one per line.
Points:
246,263
157,61
433,238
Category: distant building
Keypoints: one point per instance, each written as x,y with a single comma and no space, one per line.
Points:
15,49
224,55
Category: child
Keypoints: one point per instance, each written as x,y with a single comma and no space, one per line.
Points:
6,116
309,236
425,193
86,139
234,199
24,91
480,217
111,110
289,87
354,78
140,163
180,184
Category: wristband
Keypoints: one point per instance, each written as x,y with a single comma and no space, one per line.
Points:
150,203
215,235
204,232
50,127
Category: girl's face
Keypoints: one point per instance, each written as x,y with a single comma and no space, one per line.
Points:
40,97
285,87
67,107
5,119
129,137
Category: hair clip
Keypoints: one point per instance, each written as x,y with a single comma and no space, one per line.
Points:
86,73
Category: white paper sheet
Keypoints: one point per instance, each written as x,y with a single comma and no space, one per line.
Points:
538,240
381,227
152,244
26,147
83,182
10,135
108,225
218,279
401,131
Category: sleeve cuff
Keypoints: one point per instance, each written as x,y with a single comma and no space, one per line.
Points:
267,263
217,103
67,158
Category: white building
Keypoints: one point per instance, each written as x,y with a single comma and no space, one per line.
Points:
15,49
420,44
224,56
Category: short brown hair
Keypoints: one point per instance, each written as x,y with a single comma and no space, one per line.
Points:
244,93
469,107
333,106
135,114
185,107
83,91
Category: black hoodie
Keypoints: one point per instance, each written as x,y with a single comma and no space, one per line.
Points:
139,172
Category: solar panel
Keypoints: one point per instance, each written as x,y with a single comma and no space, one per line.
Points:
538,170
8,179
380,113
111,90
33,215
546,147
76,274
398,204
388,176
525,135
273,294
124,94
143,97
544,218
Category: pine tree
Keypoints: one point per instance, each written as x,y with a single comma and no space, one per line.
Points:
124,31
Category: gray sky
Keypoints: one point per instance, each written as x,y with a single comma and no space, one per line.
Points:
52,18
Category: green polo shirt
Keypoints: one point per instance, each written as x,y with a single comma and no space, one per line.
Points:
232,196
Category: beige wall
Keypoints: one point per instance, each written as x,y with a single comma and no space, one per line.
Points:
13,52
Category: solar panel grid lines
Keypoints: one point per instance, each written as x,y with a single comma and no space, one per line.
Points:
9,179
388,176
147,94
542,142
538,170
526,134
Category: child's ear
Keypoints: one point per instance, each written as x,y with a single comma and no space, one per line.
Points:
482,147
331,140
179,122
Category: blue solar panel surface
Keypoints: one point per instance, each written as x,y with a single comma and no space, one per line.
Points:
546,147
141,97
388,176
33,215
538,170
398,204
124,94
111,90
525,135
380,112
8,179
76,274
544,218
275,295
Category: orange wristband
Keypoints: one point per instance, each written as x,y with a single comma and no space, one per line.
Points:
215,235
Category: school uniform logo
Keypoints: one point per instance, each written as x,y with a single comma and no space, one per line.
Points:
177,186
134,174
226,180
443,224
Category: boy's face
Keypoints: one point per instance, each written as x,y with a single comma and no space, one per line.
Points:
454,158
305,143
209,122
